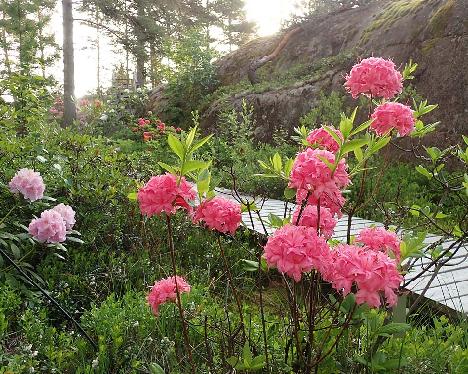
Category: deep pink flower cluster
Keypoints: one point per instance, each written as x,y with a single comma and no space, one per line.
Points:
320,138
310,172
164,291
390,115
374,76
309,217
379,239
29,183
372,272
163,194
52,225
219,214
295,250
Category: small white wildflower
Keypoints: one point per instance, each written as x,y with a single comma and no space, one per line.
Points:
95,363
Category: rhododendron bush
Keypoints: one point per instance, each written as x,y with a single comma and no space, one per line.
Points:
366,271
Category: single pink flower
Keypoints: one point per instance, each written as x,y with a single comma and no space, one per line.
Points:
310,172
376,77
67,213
178,129
379,239
49,228
165,291
320,138
162,194
295,250
219,214
309,218
29,183
390,115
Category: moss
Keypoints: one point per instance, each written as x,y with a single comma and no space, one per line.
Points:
390,14
439,21
427,45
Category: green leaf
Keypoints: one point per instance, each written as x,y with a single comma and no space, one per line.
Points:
190,137
15,250
194,165
176,145
441,215
246,354
333,134
169,168
73,239
203,181
156,369
250,265
275,221
351,145
422,170
392,328
258,362
132,196
277,163
358,154
326,162
201,143
362,127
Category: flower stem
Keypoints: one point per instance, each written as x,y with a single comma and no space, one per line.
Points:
179,303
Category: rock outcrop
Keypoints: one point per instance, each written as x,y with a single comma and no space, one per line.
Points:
432,33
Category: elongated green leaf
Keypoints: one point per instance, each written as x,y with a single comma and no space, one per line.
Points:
176,145
392,328
194,165
169,168
333,134
201,143
351,145
422,170
362,127
277,163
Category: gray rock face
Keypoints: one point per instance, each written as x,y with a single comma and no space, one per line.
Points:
431,32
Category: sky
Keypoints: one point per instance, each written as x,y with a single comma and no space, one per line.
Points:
267,14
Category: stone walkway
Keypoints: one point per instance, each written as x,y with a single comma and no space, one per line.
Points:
450,285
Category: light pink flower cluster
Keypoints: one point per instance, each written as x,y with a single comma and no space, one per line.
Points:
164,291
390,115
53,224
372,272
320,138
310,172
162,194
295,250
29,183
219,214
376,77
379,239
309,217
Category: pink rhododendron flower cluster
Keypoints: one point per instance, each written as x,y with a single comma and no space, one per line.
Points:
372,272
379,239
219,214
320,138
295,250
374,76
309,218
164,291
310,172
142,122
162,194
67,213
389,116
49,228
29,183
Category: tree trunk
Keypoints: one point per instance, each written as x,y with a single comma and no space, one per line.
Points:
69,109
140,48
